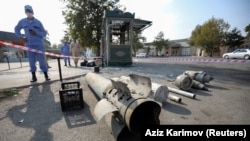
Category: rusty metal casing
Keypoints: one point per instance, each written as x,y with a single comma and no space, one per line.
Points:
119,130
158,92
200,76
184,82
199,85
180,92
133,112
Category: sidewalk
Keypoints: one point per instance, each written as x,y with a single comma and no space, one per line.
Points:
34,114
19,76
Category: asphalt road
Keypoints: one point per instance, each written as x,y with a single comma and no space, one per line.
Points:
235,73
227,102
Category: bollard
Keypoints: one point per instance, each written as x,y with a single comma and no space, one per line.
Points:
96,69
20,60
59,67
7,58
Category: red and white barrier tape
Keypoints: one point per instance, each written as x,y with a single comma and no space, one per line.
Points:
35,50
213,60
163,59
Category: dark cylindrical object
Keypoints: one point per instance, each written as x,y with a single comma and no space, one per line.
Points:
200,76
59,67
203,77
102,63
20,60
7,58
97,69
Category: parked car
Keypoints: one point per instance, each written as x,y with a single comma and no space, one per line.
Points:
143,55
238,53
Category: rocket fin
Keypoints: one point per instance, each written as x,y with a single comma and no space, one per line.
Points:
102,108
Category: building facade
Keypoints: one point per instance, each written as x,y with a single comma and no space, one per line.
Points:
180,47
13,54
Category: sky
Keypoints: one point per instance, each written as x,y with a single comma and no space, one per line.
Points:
175,18
49,12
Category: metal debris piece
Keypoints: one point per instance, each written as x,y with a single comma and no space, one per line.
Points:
160,92
21,121
199,85
180,92
184,82
200,76
132,108
174,98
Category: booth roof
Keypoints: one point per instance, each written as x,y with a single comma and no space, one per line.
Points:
140,25
119,14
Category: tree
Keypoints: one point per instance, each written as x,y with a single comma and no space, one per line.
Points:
233,38
210,35
247,30
84,18
54,46
160,42
195,36
138,41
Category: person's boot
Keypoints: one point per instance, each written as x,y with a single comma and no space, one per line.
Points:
34,79
46,76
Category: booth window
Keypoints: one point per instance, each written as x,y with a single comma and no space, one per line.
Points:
120,34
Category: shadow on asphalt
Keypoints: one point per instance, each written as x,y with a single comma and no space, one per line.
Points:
12,68
201,92
36,84
216,87
36,113
175,108
78,118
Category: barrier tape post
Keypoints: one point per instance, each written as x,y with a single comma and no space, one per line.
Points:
59,66
7,58
20,60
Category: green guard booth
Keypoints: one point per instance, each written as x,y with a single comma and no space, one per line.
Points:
116,43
